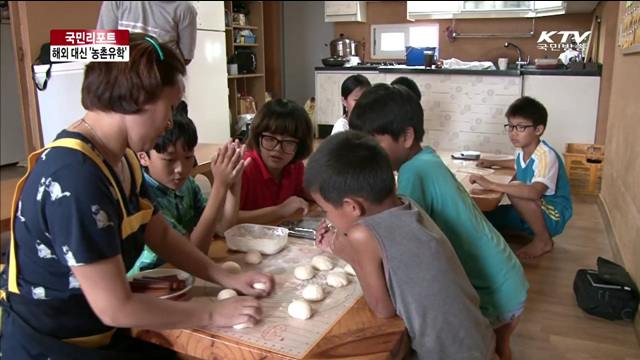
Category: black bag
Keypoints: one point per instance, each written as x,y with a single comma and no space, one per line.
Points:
608,293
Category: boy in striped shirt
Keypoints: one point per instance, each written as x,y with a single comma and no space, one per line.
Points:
539,193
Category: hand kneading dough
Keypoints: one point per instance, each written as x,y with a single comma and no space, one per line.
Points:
259,286
232,267
304,272
349,270
227,293
313,292
253,257
337,280
300,309
322,263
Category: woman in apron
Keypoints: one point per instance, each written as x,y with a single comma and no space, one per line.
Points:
82,216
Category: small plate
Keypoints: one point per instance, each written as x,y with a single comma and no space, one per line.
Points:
188,279
466,155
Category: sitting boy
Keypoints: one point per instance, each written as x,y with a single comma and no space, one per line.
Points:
409,84
167,171
540,198
378,233
394,117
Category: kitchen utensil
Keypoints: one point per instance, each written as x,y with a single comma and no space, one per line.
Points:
305,228
334,61
342,47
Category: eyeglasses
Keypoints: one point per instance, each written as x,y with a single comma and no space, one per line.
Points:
270,143
519,128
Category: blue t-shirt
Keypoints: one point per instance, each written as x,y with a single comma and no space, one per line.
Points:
492,268
546,166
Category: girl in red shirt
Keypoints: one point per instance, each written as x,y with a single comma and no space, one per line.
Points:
281,137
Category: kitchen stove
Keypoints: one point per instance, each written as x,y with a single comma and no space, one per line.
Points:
377,64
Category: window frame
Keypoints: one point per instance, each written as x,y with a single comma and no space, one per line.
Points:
378,29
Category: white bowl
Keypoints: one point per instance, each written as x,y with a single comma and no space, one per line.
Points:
188,279
267,240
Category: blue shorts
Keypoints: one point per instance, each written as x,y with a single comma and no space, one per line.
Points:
506,217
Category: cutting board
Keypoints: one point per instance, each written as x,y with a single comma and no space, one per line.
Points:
277,331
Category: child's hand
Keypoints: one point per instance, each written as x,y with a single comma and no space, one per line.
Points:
225,164
245,283
293,204
324,237
481,180
235,311
484,163
237,172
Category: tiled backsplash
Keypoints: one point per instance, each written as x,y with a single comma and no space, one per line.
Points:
461,112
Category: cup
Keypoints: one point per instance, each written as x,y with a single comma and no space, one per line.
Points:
232,69
502,63
428,59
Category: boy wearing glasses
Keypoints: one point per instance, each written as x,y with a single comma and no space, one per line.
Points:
280,138
540,199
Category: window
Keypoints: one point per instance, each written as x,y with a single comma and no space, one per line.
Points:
390,41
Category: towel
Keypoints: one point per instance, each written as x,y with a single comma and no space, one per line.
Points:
473,65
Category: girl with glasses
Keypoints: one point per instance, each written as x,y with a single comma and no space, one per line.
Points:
281,137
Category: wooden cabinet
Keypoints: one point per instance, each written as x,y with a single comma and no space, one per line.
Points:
342,11
253,84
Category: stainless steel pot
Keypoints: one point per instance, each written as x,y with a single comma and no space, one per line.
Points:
343,47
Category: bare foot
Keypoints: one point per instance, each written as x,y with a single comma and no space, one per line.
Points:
537,247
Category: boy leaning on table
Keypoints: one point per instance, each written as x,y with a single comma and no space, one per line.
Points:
540,197
167,171
378,232
395,118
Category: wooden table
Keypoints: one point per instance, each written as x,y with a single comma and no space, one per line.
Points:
7,190
485,199
358,333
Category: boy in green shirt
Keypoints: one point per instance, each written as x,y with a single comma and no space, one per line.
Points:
394,117
167,171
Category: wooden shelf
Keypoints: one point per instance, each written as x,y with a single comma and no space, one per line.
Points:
228,28
245,76
243,44
247,27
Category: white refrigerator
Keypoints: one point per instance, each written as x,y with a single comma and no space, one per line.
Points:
207,91
60,104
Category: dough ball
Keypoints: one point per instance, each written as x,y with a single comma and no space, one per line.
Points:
253,257
259,286
227,293
322,263
232,267
241,326
313,292
337,280
304,272
349,270
300,309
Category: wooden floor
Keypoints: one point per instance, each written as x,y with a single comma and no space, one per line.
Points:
552,326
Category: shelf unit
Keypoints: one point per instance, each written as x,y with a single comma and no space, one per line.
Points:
251,84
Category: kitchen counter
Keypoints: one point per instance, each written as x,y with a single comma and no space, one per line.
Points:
422,70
